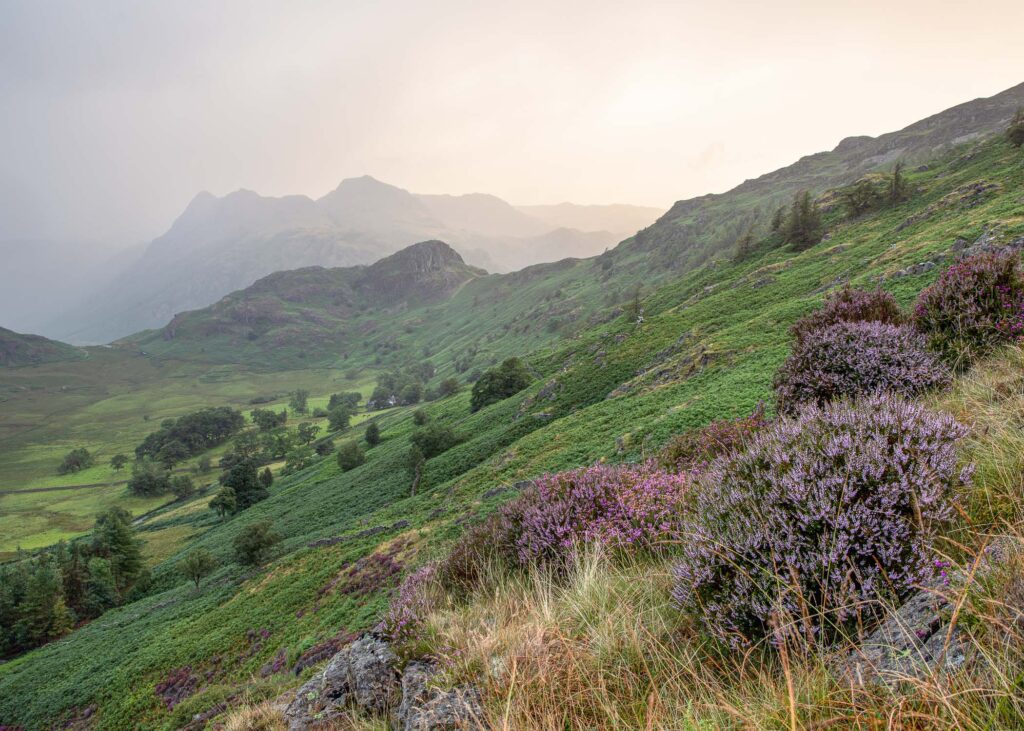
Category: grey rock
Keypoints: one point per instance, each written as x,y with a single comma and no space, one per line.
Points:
362,676
426,708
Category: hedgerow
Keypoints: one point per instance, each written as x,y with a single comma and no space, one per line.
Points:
975,305
822,516
856,358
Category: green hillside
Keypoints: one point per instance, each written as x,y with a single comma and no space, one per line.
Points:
607,387
17,349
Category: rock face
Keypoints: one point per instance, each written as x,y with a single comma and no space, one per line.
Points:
364,677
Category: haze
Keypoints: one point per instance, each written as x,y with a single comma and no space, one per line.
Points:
114,114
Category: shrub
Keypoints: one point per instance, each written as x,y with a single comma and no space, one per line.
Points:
499,383
253,543
850,305
410,606
1015,132
372,434
699,447
196,565
855,358
350,456
434,439
820,517
976,304
149,478
420,417
633,506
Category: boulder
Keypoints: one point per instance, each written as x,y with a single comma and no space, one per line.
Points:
363,676
426,708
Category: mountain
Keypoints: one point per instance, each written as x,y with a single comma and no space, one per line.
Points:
17,349
218,245
313,311
616,218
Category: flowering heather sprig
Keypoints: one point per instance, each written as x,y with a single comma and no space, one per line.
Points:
697,448
635,506
820,517
850,305
856,358
976,304
411,605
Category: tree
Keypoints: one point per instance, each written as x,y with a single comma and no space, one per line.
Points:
419,417
182,487
204,465
266,420
898,188
803,228
149,478
297,459
253,543
307,432
350,456
76,460
325,447
778,219
1015,132
372,434
197,565
744,247
100,590
242,478
172,453
434,439
113,538
197,431
299,400
860,198
411,393
350,399
414,462
266,477
224,502
499,383
339,417
449,387
118,462
633,310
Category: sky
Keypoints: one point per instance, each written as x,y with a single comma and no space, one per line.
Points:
113,115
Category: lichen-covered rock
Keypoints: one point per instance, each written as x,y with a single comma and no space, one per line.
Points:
426,708
362,676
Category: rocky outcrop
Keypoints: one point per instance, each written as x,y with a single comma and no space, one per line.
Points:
364,678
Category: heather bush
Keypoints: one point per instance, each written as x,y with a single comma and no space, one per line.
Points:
850,305
485,544
697,448
855,358
636,507
820,517
411,605
975,305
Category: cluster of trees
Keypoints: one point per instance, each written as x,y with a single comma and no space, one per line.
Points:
151,478
267,420
869,194
76,460
242,486
499,383
45,596
402,387
340,409
178,439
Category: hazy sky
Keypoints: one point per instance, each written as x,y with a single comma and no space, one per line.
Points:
114,114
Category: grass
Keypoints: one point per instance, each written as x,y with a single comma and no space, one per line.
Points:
707,349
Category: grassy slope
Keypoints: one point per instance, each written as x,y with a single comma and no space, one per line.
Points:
708,348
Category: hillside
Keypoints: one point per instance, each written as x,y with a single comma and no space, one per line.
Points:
17,349
218,245
606,387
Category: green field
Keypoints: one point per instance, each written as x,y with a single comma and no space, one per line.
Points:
709,344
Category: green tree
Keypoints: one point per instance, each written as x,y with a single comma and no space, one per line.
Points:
101,589
372,434
118,462
299,400
778,219
307,432
350,399
1015,132
434,439
75,461
419,417
182,487
744,247
253,543
298,458
173,452
804,227
113,538
266,477
242,478
350,456
414,462
449,387
339,417
149,478
204,465
224,502
197,565
411,393
267,420
899,190
860,198
499,383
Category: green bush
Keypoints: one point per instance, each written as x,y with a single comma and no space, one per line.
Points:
350,456
499,383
